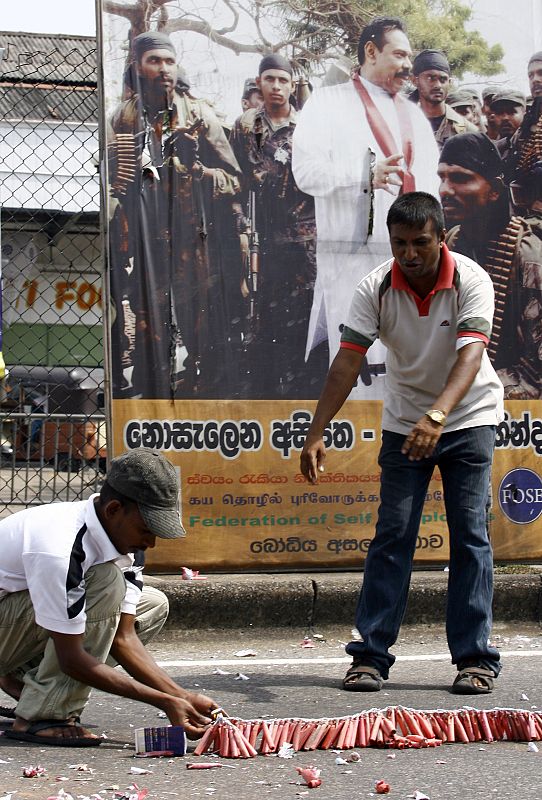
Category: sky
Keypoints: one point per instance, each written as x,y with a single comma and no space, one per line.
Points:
50,16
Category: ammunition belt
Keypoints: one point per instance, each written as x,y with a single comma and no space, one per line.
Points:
530,150
499,260
123,149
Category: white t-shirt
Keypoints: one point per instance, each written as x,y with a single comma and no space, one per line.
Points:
422,337
48,549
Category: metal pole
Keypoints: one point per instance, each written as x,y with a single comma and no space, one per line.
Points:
104,234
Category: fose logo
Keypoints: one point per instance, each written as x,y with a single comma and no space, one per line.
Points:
520,495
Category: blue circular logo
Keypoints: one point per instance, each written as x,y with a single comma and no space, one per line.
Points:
520,495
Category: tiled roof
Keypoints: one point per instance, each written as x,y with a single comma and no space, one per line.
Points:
51,103
48,77
52,58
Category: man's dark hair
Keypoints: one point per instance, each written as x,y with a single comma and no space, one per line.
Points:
414,210
376,32
107,493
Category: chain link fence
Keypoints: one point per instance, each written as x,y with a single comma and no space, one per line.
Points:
53,442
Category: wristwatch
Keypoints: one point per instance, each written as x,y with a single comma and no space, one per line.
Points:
436,416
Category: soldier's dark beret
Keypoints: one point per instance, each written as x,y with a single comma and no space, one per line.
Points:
430,59
274,61
474,151
151,40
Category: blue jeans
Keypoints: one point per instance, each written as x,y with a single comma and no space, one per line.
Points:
464,458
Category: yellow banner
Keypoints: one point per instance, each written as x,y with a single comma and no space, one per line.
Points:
246,506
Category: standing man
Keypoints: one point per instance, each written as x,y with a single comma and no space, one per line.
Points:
534,74
476,209
431,76
281,292
357,146
433,310
508,108
252,95
170,168
462,101
488,93
525,165
71,595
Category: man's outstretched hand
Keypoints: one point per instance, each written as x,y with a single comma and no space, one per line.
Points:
312,459
193,712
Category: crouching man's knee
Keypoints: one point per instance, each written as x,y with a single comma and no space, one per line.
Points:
151,613
105,588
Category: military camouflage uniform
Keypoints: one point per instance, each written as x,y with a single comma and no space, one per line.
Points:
164,253
286,226
452,124
517,354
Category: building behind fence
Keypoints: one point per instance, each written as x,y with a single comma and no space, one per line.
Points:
52,443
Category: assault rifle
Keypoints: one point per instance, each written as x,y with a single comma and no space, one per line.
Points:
253,264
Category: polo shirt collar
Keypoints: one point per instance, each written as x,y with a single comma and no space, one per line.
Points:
445,279
96,530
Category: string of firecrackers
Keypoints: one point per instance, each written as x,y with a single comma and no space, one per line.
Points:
393,727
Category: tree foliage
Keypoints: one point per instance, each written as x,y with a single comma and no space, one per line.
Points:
311,31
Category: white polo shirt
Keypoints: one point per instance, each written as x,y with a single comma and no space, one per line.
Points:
422,337
48,549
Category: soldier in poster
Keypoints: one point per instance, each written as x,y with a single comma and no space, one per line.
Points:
283,217
476,208
170,166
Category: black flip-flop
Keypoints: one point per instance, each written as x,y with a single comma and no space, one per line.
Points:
8,713
31,735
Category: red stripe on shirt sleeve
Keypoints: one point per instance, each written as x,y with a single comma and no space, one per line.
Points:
351,346
473,335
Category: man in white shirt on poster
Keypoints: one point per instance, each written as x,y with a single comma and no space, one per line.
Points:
357,146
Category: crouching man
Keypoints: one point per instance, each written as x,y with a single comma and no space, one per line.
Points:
71,597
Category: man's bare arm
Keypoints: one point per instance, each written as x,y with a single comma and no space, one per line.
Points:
342,376
75,662
134,657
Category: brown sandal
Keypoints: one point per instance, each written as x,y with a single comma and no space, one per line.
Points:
361,678
474,680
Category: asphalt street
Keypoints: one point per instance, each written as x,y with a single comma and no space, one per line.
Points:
288,680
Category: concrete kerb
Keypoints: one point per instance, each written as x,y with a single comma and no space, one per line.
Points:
307,600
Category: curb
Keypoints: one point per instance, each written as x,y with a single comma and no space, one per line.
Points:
306,600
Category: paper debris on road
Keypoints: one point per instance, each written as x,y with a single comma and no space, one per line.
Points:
34,772
311,776
62,795
245,653
188,574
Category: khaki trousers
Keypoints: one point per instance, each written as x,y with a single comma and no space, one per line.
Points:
27,650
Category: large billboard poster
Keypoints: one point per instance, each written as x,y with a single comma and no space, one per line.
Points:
249,173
